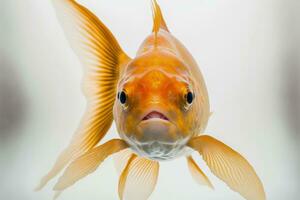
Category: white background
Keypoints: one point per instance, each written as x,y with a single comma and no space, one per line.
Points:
247,51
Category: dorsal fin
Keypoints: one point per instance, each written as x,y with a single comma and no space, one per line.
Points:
158,19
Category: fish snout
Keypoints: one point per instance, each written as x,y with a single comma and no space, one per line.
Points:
156,127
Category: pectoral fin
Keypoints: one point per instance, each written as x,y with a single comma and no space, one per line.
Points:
88,163
197,174
101,58
229,166
138,179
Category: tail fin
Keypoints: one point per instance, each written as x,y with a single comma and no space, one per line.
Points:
158,19
102,57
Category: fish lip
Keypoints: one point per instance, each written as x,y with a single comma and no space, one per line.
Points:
154,115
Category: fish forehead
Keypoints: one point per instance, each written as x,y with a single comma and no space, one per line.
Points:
159,59
155,69
155,79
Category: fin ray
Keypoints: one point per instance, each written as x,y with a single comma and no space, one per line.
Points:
121,159
88,163
158,19
197,174
229,166
138,179
101,57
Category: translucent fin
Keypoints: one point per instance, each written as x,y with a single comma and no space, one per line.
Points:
121,159
230,167
101,56
124,175
88,163
197,174
138,179
158,20
56,195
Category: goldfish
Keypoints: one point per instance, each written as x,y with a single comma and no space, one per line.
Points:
159,103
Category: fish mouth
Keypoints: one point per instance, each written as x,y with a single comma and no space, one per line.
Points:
155,115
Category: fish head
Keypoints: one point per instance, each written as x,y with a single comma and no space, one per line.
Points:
154,108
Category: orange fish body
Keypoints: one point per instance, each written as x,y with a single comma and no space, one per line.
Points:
159,103
156,119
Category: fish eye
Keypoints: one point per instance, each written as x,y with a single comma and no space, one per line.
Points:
122,97
189,97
